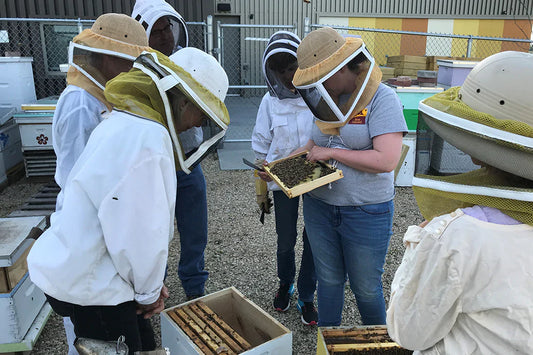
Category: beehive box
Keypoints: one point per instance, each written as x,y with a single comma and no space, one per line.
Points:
406,65
15,243
20,300
360,340
320,174
224,322
387,73
433,65
454,72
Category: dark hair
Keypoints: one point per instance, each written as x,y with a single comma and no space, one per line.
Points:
280,61
355,63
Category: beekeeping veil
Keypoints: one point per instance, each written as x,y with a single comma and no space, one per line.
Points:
323,53
147,12
155,80
489,119
279,42
115,35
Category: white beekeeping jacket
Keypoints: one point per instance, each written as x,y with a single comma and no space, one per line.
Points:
109,243
76,115
464,286
281,127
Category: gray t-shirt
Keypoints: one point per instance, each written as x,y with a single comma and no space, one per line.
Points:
384,115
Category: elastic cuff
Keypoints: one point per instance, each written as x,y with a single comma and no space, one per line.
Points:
148,298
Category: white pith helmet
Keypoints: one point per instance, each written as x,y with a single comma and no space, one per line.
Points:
501,86
205,69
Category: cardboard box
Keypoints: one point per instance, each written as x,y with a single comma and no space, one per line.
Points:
310,184
357,340
265,334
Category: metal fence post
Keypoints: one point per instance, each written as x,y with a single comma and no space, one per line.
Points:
219,43
209,34
307,27
469,47
80,26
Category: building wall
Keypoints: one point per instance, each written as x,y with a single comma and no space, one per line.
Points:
195,10
386,44
425,8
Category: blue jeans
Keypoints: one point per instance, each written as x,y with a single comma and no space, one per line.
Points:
286,213
191,219
353,241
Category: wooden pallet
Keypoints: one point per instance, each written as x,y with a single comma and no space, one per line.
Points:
207,330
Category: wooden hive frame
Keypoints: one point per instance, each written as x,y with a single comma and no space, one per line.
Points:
307,185
371,339
207,330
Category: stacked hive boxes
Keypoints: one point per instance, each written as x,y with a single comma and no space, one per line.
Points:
433,65
407,65
23,311
387,72
35,126
10,146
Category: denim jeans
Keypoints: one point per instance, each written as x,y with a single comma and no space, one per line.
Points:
191,219
108,323
353,241
286,213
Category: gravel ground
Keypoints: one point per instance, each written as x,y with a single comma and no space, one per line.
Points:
241,252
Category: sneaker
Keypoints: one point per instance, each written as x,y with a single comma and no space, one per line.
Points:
193,297
282,301
308,311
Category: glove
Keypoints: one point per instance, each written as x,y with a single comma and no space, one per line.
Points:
261,194
262,197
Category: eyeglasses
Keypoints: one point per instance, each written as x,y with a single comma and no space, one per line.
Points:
164,30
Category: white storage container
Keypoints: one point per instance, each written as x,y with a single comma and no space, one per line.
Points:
266,335
10,145
35,130
454,72
16,82
406,172
20,306
18,310
5,114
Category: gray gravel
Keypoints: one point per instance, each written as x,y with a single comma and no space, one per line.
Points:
241,252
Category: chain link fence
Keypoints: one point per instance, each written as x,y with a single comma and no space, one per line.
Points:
386,43
239,48
47,40
240,52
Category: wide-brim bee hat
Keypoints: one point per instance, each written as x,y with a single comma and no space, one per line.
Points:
488,118
323,53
